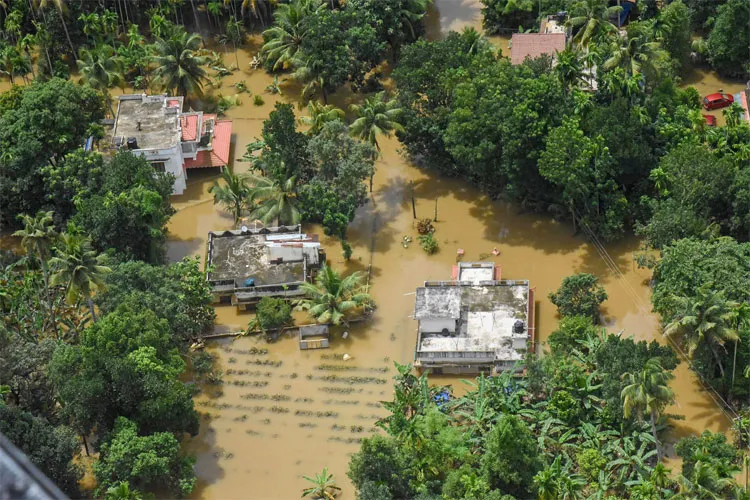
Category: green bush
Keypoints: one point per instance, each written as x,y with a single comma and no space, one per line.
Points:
271,313
428,243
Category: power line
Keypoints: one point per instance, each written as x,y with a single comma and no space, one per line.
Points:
641,304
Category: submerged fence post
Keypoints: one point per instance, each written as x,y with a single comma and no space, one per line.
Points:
413,205
434,219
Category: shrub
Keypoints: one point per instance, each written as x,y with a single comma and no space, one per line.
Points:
258,100
425,226
271,313
428,243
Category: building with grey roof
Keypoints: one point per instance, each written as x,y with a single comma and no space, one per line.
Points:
475,322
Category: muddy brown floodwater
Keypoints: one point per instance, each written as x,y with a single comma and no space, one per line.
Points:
287,412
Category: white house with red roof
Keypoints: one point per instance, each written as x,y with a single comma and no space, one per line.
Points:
154,126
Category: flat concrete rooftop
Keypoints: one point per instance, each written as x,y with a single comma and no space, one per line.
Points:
159,124
240,257
486,313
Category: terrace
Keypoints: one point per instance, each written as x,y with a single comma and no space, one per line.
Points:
475,323
249,264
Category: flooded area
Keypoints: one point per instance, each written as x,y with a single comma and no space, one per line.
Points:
282,412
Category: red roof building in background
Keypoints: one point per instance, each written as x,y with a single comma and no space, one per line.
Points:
533,45
173,141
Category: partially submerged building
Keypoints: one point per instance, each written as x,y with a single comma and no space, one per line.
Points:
248,264
474,323
155,127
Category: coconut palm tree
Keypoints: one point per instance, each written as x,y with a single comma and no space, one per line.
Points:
592,20
569,69
377,116
38,236
78,268
705,319
410,14
8,62
122,491
101,68
61,10
233,194
319,115
277,199
178,63
704,483
306,71
333,296
323,486
637,55
647,391
288,31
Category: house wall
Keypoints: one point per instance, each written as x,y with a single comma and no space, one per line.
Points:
436,325
172,158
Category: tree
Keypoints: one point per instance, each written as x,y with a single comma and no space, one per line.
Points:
271,313
319,115
397,21
675,33
570,334
61,9
729,38
78,268
38,236
569,69
101,69
234,194
710,449
590,19
322,486
704,483
50,448
648,391
692,184
151,463
277,199
178,293
127,364
381,463
377,116
341,162
582,168
704,321
639,54
511,460
178,63
283,142
122,491
38,123
79,174
129,211
579,295
284,39
689,264
332,297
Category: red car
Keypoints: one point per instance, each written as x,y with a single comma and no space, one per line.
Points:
710,120
717,100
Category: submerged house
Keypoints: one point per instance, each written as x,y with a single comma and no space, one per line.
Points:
155,127
473,323
248,264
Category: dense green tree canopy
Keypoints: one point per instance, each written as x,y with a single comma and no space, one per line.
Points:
150,463
39,124
579,295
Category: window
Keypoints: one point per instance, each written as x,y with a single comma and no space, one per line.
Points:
159,166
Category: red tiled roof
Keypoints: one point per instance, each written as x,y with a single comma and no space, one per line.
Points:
218,156
189,125
173,103
533,45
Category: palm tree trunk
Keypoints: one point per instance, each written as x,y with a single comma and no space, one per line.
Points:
656,438
195,15
90,302
67,35
718,360
85,444
45,275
